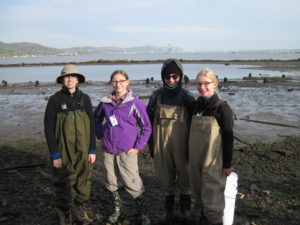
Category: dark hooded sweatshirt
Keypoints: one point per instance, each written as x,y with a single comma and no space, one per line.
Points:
177,96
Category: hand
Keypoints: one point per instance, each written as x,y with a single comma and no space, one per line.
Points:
57,163
227,171
133,151
92,158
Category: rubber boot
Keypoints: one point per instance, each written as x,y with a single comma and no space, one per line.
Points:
185,207
168,216
64,217
142,209
81,214
204,220
113,218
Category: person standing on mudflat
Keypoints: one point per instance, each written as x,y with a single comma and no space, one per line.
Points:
210,149
123,127
168,145
70,134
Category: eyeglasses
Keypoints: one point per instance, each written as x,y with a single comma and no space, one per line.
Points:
174,77
206,84
115,82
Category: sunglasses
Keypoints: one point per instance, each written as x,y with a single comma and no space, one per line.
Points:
174,77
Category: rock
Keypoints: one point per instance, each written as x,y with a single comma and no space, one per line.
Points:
266,192
253,187
3,202
3,219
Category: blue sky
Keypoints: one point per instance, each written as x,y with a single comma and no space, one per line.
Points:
194,25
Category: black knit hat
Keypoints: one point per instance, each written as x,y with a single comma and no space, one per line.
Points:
171,68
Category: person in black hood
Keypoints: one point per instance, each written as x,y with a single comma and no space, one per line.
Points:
167,110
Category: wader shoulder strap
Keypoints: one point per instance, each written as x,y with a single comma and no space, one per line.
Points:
195,108
157,111
210,108
81,101
158,99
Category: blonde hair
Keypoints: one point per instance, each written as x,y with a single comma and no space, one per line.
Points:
209,74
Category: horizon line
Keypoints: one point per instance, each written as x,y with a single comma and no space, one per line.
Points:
166,46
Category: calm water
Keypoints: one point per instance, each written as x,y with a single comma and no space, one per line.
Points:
138,72
135,72
144,56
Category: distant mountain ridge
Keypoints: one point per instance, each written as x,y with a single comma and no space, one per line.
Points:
26,49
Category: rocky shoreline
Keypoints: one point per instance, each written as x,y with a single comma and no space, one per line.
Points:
265,64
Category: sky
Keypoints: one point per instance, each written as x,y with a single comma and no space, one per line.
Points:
194,25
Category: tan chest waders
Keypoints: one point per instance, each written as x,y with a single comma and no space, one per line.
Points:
205,166
170,135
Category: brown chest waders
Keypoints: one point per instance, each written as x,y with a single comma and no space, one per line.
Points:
170,135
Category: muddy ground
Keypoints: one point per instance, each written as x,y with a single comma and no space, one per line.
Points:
269,177
266,156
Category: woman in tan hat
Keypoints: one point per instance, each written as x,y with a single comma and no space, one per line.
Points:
70,134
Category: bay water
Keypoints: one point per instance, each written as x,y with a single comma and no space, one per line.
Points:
140,71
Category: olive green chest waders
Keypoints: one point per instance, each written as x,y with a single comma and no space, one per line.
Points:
206,164
72,181
170,135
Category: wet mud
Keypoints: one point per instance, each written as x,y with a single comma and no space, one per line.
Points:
266,156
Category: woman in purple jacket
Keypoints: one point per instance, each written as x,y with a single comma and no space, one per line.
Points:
123,126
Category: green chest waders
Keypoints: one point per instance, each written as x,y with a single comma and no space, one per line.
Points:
205,164
72,182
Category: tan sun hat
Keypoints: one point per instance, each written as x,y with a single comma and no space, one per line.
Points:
70,70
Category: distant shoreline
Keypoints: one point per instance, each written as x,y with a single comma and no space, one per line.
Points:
267,64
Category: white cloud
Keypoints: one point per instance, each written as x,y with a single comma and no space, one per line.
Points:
185,30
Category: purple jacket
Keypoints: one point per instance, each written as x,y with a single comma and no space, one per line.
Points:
133,127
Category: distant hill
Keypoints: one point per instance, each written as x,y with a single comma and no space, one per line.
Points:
26,49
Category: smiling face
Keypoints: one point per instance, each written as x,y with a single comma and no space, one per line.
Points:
206,86
120,84
172,79
70,81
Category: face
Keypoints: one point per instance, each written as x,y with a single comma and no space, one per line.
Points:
206,86
172,80
120,84
70,82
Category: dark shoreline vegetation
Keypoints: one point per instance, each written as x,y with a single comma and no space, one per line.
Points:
159,61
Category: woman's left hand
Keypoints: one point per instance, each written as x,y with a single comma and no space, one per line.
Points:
227,171
133,151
